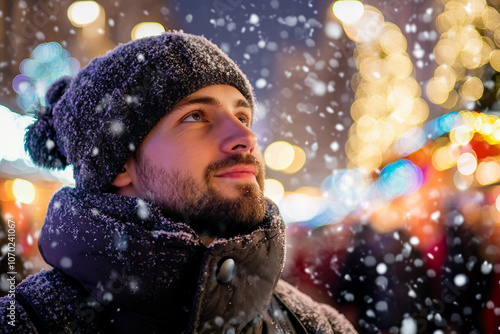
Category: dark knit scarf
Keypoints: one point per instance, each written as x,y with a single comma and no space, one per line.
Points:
133,260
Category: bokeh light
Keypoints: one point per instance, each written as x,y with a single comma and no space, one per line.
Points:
23,190
83,13
445,157
472,89
467,163
488,172
461,135
348,11
300,207
345,190
410,142
388,99
497,203
367,28
146,29
299,159
279,155
274,190
399,178
468,34
49,62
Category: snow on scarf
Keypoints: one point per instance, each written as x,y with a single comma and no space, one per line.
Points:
124,251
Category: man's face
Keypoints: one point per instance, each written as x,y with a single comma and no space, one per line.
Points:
201,164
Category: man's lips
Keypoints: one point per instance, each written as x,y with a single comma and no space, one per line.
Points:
238,172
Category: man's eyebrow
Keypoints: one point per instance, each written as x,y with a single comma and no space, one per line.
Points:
201,100
240,103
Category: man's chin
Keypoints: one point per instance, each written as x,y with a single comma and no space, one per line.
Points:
227,216
238,191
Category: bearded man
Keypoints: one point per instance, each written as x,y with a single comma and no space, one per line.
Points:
167,229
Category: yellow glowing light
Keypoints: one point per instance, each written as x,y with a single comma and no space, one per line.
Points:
474,8
452,100
488,46
443,22
83,13
496,130
467,163
400,65
392,40
298,161
445,157
348,11
446,73
279,155
388,134
446,51
497,203
420,111
146,29
464,47
9,196
472,89
387,99
482,123
369,157
487,128
488,172
491,18
23,190
358,108
496,37
495,60
367,129
367,28
373,69
461,135
471,58
437,90
274,190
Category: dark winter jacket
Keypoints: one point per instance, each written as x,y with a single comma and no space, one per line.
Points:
122,267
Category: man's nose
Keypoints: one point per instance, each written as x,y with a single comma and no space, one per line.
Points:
237,137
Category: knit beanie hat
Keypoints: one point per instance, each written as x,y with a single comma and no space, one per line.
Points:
96,120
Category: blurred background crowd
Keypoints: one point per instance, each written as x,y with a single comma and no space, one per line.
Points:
379,124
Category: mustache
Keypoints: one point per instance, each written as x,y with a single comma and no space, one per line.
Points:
234,160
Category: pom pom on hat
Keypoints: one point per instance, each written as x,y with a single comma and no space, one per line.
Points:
41,139
112,104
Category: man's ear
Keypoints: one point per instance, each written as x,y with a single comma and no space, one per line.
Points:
124,178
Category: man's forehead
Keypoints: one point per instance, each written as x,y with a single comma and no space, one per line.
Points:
215,95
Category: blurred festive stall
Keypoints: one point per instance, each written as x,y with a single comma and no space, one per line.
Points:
406,240
25,191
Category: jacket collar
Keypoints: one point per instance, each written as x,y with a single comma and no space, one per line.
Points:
131,258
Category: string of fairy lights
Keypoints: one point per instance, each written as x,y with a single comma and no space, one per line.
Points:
387,101
468,42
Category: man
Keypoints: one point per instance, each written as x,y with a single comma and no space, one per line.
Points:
167,229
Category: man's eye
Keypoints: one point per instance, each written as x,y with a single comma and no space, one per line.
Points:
196,116
244,120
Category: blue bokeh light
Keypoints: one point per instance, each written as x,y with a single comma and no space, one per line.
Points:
441,125
399,178
345,190
48,62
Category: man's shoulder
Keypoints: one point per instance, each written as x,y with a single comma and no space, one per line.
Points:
50,300
316,317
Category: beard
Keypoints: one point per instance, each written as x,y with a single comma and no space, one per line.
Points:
208,212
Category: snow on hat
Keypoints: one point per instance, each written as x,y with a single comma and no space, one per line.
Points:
96,120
